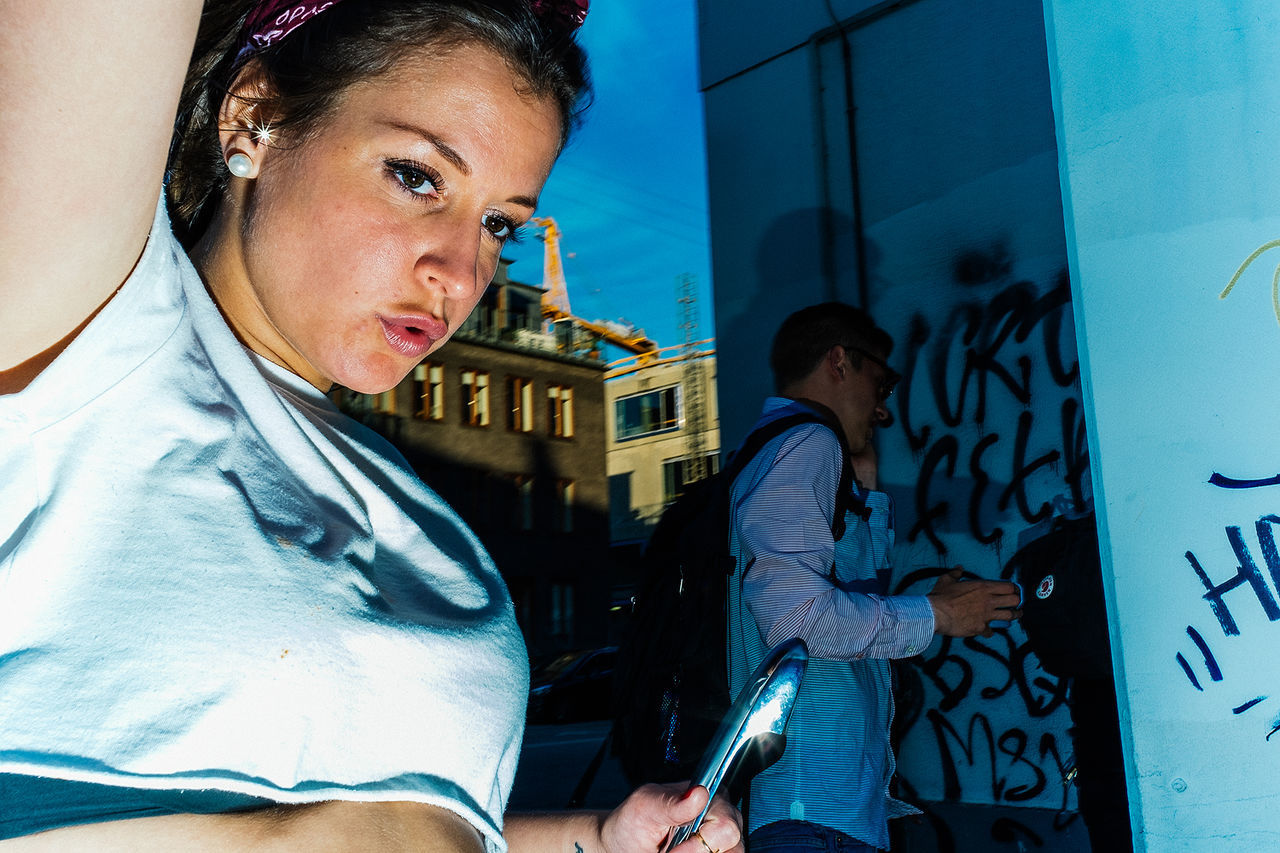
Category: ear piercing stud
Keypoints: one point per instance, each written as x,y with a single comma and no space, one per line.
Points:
240,165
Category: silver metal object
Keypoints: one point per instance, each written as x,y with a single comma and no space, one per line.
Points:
756,721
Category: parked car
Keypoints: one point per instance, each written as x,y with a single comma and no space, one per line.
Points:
573,687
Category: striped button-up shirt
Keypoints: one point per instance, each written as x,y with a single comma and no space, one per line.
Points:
794,580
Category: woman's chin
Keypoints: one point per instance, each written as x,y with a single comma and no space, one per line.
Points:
369,387
371,379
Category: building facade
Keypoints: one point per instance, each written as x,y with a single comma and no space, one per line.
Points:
510,430
663,429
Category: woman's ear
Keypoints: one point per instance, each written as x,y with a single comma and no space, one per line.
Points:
244,126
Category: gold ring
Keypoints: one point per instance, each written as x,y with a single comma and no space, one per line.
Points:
709,848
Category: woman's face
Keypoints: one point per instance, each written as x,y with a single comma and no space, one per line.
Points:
366,246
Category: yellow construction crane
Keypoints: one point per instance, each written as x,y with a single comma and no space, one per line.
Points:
555,298
666,355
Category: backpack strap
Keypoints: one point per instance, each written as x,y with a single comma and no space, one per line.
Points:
846,498
761,436
756,441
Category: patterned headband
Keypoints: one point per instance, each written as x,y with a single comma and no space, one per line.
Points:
560,14
272,20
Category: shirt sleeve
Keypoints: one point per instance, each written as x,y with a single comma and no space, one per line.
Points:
784,530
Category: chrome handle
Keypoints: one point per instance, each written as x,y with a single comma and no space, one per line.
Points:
757,718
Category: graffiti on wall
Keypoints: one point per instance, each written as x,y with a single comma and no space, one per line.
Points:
986,357
1275,279
989,408
1245,584
1199,665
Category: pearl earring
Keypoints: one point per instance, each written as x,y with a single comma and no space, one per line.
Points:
240,165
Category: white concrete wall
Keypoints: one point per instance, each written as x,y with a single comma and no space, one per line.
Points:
1168,118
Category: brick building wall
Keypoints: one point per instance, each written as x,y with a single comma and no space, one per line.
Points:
512,434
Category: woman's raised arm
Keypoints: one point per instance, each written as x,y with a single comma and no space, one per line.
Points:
88,91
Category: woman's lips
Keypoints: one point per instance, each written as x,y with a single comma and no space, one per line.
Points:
413,335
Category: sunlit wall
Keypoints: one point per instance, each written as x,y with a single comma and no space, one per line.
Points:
1168,123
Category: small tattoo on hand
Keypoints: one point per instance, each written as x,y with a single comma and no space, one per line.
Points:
577,848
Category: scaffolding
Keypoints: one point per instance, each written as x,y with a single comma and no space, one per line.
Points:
695,417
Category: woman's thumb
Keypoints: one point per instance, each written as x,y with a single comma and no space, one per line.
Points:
690,804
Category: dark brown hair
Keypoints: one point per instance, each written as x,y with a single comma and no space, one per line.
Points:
810,333
305,73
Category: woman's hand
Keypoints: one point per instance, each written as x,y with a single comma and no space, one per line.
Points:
641,824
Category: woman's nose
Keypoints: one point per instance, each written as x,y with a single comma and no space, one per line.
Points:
450,259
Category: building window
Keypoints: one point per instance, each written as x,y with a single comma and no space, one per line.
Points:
677,474
475,398
560,412
520,395
564,506
647,413
524,502
428,391
561,610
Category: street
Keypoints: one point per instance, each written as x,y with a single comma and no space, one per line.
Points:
553,761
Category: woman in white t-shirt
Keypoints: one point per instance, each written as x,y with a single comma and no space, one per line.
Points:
230,617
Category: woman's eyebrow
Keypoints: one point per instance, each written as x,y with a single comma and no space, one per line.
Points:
458,161
439,144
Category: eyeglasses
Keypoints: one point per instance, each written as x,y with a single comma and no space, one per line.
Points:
889,378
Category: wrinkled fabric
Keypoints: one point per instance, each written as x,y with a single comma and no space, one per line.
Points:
793,579
212,579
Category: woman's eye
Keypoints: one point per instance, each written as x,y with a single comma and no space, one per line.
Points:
415,180
499,226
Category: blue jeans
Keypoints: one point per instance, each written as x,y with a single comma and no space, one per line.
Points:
798,836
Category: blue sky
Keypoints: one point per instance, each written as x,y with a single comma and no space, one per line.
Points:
629,193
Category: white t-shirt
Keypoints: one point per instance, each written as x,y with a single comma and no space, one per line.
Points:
211,578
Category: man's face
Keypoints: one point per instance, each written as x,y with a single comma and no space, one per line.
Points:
865,390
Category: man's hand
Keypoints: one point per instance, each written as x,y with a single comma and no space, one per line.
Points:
966,608
641,823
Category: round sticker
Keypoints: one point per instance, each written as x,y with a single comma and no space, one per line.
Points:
1045,589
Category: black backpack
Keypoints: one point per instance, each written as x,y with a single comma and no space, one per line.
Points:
1063,609
671,684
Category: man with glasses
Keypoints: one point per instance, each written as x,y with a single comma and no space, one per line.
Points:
815,564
